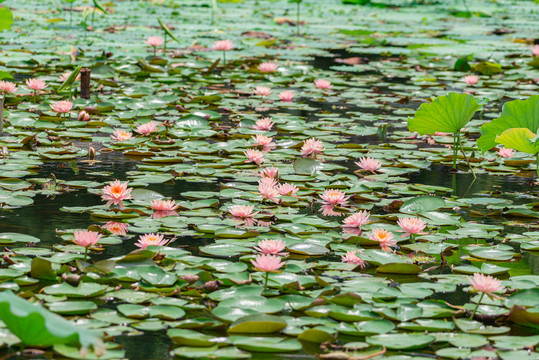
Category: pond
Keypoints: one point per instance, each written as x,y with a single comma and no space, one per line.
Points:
375,211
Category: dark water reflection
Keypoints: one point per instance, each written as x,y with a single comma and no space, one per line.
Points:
464,185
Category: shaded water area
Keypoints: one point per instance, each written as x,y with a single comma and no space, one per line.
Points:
41,220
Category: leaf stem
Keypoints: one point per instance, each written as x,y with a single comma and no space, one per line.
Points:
477,306
465,157
455,149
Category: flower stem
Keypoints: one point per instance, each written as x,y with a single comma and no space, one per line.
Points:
154,50
165,46
266,283
224,59
85,253
477,306
537,163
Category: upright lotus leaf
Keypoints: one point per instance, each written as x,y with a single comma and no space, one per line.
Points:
37,326
447,113
515,114
521,139
6,18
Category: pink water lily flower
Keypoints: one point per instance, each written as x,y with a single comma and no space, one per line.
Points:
368,164
471,79
287,189
86,238
223,45
163,205
271,247
352,258
268,181
7,87
268,67
323,84
121,135
264,141
267,263
242,211
36,84
116,192
262,91
411,226
312,147
506,153
535,50
270,172
334,197
254,156
83,116
150,239
384,237
62,106
268,191
485,284
287,95
264,124
147,128
155,41
357,220
117,228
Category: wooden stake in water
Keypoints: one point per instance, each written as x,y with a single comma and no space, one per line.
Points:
85,83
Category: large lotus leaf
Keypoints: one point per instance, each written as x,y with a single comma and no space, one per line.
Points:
37,326
515,114
448,113
6,18
520,139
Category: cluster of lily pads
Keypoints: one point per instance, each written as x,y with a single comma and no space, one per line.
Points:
301,232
